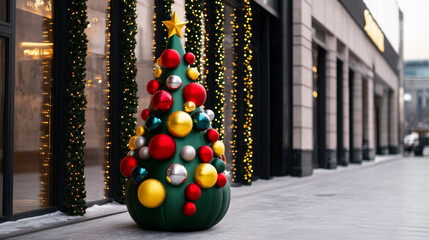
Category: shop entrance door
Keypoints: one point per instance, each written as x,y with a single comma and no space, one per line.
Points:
340,117
319,107
265,102
351,114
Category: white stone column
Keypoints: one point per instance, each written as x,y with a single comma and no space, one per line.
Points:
369,117
331,102
302,89
394,118
384,124
356,150
346,110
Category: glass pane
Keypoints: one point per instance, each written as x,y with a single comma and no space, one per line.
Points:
3,12
144,54
2,86
32,118
272,3
96,91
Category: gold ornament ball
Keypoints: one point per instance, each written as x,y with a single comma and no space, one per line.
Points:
157,72
218,148
205,175
151,193
158,61
192,74
140,131
179,124
189,106
131,143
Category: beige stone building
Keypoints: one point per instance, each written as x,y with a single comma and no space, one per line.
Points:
347,81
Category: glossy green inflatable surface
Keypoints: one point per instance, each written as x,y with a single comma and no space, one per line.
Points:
213,203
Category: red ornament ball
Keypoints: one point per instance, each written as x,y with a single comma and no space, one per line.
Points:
152,86
127,165
205,153
189,58
170,58
212,135
196,93
192,192
162,147
189,208
221,180
145,114
161,101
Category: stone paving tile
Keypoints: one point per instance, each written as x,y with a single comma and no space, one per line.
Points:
389,200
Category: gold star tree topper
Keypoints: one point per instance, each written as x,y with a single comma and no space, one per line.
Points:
174,26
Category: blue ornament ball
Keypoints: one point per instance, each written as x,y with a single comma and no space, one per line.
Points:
153,123
201,121
139,174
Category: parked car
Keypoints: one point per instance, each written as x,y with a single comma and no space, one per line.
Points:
410,142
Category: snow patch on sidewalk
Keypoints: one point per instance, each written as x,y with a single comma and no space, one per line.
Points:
58,218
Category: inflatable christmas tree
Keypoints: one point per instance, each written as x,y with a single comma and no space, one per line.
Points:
176,174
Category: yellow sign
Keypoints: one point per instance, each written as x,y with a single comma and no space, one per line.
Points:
373,31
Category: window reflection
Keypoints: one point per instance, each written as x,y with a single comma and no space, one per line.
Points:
96,91
2,98
32,114
144,54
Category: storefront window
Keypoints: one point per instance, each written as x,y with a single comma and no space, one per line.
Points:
419,100
271,3
145,63
2,98
32,114
97,92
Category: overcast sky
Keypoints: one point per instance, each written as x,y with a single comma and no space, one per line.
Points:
416,28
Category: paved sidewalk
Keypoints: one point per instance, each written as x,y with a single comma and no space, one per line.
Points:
388,200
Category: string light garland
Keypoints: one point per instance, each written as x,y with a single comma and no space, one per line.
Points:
46,115
194,29
128,83
107,92
248,94
75,114
165,6
234,128
216,35
243,41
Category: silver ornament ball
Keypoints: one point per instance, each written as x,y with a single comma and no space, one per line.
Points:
144,153
187,153
139,142
176,174
211,114
131,154
173,82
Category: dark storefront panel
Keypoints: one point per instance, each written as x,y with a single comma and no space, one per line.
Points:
351,114
3,10
271,102
319,107
32,114
341,158
2,105
96,91
262,81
